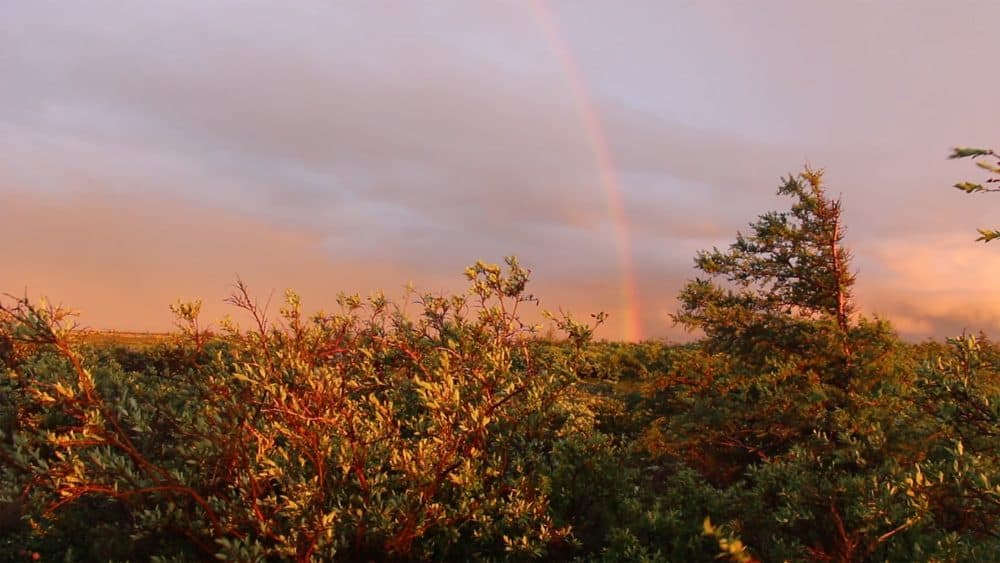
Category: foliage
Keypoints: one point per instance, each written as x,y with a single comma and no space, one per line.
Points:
789,286
958,483
989,161
779,337
443,427
361,434
804,415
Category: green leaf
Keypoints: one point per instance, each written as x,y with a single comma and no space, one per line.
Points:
966,152
986,235
969,187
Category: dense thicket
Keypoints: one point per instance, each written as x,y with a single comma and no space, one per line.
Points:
442,427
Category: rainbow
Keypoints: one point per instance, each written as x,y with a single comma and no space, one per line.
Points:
598,142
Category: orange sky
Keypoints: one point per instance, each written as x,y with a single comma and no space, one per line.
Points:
121,262
155,152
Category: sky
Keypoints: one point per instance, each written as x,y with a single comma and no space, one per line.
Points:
155,151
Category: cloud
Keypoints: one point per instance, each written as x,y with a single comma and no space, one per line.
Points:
416,140
121,260
933,285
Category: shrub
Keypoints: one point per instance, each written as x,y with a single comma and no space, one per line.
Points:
364,434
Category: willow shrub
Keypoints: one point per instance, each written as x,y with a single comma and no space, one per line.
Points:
372,433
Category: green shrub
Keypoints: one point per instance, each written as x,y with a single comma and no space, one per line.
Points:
365,434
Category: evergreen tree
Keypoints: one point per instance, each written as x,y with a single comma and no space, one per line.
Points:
789,404
785,288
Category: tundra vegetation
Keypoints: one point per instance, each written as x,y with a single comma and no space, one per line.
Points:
443,427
